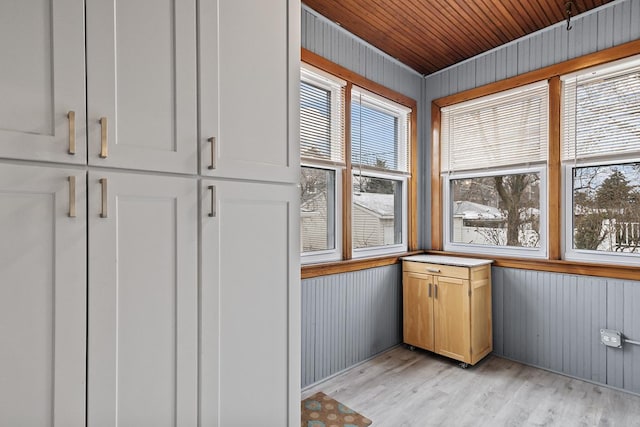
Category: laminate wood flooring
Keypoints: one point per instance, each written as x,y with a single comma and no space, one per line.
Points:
402,388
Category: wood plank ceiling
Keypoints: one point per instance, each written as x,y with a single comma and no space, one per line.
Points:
429,35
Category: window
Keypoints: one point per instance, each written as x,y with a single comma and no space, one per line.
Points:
360,201
493,164
601,157
322,156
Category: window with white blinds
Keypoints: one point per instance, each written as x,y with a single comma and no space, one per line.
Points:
601,112
321,116
379,132
505,129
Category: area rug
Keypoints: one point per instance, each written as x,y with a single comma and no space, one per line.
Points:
321,410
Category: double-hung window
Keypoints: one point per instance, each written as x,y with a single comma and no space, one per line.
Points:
322,160
601,158
493,163
380,167
355,180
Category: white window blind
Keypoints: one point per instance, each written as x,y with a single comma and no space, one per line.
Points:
504,129
601,112
321,116
379,132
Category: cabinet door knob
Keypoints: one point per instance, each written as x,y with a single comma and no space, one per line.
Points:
212,140
103,138
72,132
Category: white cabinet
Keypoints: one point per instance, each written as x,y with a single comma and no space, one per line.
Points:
42,80
141,84
42,296
249,304
143,300
249,82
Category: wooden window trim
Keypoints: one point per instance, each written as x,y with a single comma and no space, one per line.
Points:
327,268
347,263
552,73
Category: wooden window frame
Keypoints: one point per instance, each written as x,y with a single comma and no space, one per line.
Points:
348,263
552,73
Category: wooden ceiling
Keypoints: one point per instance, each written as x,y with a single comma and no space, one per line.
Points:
429,35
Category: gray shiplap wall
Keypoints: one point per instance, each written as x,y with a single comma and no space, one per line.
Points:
553,321
546,319
348,318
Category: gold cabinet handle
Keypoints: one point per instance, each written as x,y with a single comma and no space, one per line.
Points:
72,132
429,290
103,209
433,270
72,197
103,138
435,290
212,190
212,140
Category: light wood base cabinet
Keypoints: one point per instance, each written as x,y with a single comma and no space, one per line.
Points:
447,308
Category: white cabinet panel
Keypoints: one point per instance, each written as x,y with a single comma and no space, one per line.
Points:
42,297
142,300
141,68
249,78
249,304
42,79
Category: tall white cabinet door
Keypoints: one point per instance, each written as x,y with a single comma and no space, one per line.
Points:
42,297
250,303
249,84
143,300
141,84
42,80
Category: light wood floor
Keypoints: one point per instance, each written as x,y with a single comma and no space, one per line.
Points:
403,388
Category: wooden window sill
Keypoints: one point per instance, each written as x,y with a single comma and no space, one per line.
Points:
613,271
328,268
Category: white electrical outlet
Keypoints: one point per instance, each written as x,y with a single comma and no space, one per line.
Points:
611,338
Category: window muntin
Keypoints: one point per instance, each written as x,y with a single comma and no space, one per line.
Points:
378,214
600,151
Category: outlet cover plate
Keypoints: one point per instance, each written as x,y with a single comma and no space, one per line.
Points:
611,338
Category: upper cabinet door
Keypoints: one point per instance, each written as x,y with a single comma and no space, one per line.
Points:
249,85
143,300
42,80
141,68
42,296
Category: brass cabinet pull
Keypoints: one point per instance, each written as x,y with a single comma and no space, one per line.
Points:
429,290
435,287
72,132
433,270
72,197
103,138
103,210
212,140
212,189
